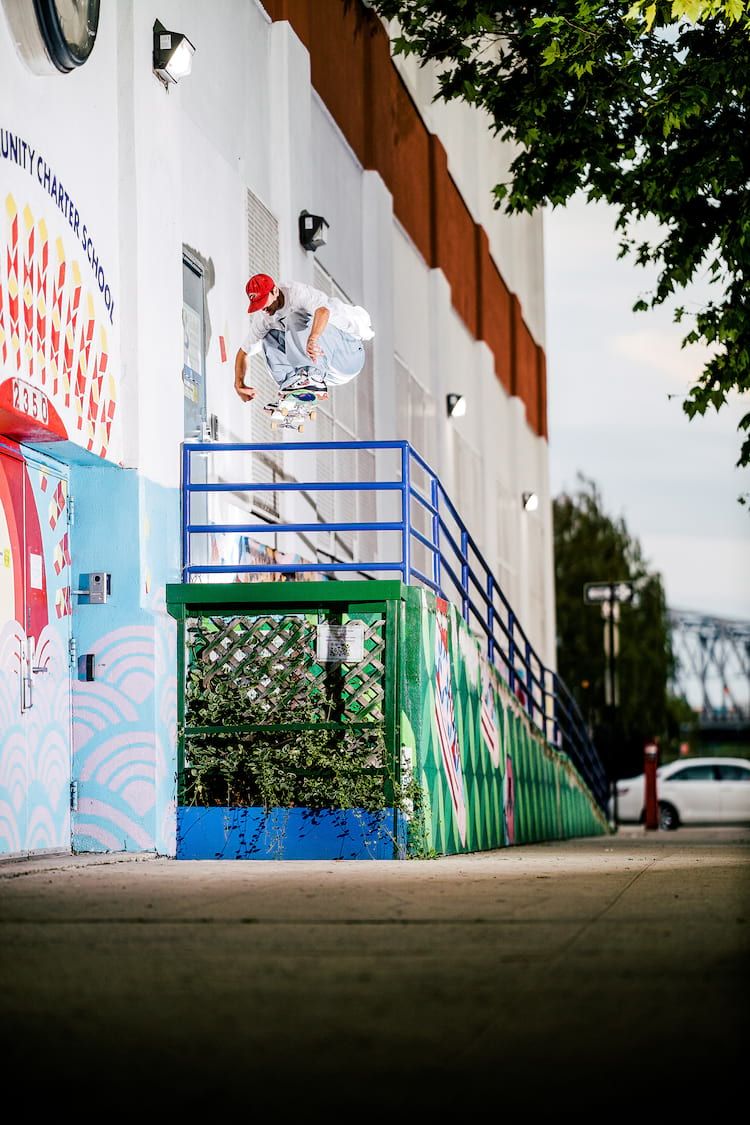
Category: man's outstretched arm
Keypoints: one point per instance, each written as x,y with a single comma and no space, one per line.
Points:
319,324
240,370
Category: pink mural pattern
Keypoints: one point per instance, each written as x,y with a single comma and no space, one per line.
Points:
488,717
446,719
124,724
35,759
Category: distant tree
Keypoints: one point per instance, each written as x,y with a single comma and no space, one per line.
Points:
644,106
590,546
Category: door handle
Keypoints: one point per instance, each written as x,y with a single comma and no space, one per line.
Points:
27,692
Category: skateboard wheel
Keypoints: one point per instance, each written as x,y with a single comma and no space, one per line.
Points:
301,427
312,415
275,425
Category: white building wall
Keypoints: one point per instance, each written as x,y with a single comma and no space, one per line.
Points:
274,136
172,169
478,161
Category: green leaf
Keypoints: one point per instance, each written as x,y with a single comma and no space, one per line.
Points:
551,53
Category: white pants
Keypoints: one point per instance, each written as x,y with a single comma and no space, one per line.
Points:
343,355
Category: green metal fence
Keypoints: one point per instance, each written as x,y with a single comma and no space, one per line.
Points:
288,695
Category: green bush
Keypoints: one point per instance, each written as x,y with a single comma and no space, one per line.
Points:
309,764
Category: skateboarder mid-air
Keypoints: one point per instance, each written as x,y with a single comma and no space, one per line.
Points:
310,341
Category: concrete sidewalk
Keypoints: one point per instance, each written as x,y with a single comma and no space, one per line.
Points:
604,974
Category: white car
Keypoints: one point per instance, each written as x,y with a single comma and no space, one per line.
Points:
690,791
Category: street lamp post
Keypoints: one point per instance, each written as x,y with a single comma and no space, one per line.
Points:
610,596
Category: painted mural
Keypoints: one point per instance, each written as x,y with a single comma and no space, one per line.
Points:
59,392
445,719
35,616
88,732
125,718
87,759
230,550
487,777
58,378
123,736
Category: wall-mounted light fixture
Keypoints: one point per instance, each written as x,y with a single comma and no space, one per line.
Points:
455,405
173,55
530,501
312,230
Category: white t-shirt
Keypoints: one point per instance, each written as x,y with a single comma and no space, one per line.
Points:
352,319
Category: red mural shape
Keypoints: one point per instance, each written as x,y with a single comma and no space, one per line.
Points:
26,545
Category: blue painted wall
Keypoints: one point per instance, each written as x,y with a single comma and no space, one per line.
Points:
256,833
124,721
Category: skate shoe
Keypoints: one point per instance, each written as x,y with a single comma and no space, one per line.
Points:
304,380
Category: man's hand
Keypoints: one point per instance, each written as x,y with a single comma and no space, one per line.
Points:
318,327
240,367
313,348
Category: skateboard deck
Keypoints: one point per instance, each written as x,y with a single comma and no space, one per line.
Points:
292,409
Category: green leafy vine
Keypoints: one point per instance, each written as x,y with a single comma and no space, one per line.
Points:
299,758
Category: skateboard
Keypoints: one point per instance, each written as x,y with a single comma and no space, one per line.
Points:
293,408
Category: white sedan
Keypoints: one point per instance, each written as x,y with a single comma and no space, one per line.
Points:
690,791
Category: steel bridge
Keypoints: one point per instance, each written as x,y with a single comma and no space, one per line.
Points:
712,669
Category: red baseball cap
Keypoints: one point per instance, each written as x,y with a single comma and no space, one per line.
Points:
257,289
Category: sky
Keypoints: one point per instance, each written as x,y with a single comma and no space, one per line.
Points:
616,381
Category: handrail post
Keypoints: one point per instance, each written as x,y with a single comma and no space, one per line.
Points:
435,498
555,722
556,731
490,617
185,509
545,703
406,513
511,651
464,574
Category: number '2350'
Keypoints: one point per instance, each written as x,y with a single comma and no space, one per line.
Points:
30,401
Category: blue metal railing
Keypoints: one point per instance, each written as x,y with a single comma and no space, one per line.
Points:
436,550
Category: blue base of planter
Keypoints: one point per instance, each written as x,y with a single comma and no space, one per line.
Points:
257,833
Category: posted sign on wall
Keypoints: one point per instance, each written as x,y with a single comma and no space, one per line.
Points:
343,644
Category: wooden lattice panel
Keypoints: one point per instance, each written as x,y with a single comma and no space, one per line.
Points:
274,659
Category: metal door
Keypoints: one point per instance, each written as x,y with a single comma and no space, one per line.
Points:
35,674
194,349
